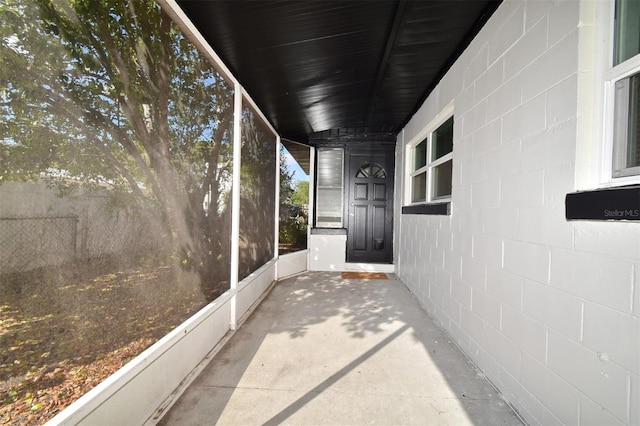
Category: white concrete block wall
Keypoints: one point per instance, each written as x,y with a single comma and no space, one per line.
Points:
548,309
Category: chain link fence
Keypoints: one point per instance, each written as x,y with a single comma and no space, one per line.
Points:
105,231
35,242
27,243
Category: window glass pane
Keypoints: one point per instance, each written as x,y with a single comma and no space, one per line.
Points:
257,193
115,149
330,168
442,140
441,185
627,30
329,191
329,207
371,170
627,124
420,155
419,188
633,139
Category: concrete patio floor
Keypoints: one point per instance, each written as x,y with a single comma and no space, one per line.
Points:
325,350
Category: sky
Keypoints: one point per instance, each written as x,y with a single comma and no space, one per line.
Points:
298,173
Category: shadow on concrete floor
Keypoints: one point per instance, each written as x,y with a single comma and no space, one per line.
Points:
325,350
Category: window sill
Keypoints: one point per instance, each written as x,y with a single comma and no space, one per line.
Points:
441,209
328,231
622,203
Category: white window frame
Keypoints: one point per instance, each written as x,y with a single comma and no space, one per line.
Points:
610,76
426,134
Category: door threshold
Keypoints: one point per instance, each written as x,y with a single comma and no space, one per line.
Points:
370,267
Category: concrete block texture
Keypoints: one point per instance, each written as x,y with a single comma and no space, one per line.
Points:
548,308
592,372
529,334
559,396
606,331
559,311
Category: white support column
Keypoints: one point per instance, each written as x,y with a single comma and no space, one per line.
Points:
235,202
276,251
311,213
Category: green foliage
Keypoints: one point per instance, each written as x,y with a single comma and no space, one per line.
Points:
300,196
111,93
257,193
286,178
293,211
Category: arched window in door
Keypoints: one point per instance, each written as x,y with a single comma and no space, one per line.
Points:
371,170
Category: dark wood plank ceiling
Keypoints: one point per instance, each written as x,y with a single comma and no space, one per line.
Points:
339,71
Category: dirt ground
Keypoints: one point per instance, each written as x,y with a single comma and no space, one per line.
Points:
64,330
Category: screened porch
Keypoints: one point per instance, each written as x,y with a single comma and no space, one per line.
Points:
153,255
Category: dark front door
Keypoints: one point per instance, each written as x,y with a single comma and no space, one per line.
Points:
370,206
